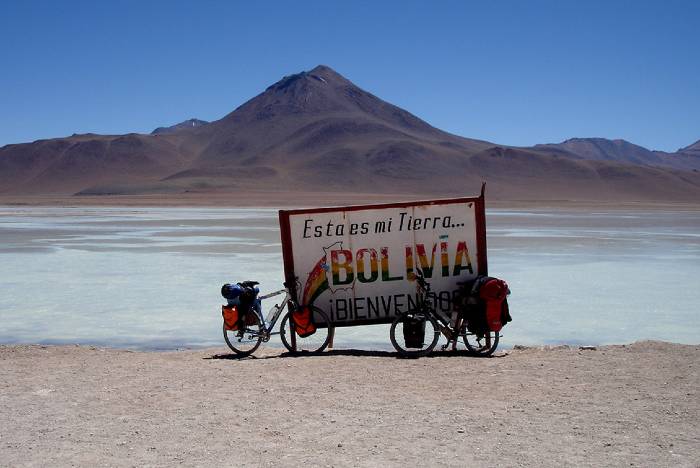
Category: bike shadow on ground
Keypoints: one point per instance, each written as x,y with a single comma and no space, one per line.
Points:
354,352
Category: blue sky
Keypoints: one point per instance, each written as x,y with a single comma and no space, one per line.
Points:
511,72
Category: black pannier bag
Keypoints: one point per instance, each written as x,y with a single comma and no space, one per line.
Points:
247,298
505,313
471,307
474,312
414,331
242,296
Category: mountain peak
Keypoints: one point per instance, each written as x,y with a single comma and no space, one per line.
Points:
326,72
318,94
319,75
322,69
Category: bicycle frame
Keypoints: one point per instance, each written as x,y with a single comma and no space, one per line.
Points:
275,310
449,332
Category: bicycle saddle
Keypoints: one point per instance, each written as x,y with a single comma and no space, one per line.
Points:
248,284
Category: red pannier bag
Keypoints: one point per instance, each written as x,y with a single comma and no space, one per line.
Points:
230,314
493,292
233,319
304,321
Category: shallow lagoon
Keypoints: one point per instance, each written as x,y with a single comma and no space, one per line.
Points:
150,277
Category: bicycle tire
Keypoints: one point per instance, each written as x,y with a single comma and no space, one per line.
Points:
245,342
473,343
397,324
312,344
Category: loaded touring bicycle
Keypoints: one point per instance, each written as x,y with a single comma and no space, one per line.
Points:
479,313
304,329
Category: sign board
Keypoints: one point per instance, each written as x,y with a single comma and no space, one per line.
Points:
358,263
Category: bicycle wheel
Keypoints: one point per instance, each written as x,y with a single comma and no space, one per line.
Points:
481,345
245,342
314,343
398,334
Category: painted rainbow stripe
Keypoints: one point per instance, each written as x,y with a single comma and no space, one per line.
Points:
316,282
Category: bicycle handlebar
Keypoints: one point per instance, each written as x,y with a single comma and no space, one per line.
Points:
420,279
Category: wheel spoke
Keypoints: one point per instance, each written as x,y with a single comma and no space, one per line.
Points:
314,343
247,341
414,334
483,344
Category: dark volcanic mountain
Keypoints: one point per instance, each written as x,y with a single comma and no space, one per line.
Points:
317,131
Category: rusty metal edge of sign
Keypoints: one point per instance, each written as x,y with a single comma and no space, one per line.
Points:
286,234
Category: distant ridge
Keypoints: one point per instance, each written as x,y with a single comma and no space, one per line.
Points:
189,123
601,149
317,131
694,148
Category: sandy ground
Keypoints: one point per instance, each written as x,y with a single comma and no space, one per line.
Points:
634,405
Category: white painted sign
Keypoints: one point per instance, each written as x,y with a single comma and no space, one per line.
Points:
358,263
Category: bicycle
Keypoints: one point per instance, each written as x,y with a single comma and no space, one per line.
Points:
422,326
246,340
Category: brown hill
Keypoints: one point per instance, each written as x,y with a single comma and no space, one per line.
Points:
602,149
317,131
68,165
693,149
